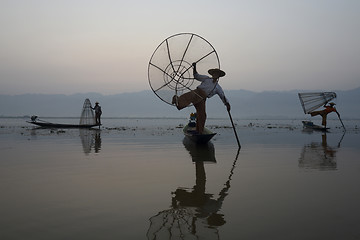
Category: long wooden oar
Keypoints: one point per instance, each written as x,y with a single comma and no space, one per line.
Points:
237,139
341,121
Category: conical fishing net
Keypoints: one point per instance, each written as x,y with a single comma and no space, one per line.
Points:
170,69
312,101
87,114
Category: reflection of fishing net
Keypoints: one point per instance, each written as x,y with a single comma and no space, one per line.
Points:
316,156
87,114
170,67
87,140
312,101
90,138
174,223
181,223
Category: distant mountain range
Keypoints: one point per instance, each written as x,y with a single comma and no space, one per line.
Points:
245,104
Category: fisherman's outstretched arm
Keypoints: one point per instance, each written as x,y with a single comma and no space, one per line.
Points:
221,94
194,68
197,76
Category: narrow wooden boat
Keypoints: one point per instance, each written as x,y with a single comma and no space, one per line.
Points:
191,133
60,125
87,119
311,125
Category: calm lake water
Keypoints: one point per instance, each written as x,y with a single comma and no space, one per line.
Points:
140,179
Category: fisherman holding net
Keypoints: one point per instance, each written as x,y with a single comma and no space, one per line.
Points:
98,113
209,87
323,113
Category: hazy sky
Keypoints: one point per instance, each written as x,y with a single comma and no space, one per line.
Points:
79,46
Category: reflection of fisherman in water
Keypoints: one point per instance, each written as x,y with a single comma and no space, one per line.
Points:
97,145
319,155
200,152
193,212
329,152
206,206
90,138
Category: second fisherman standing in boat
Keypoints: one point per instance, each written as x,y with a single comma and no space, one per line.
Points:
209,87
98,113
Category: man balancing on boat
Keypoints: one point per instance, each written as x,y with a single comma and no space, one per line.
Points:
209,87
323,113
98,113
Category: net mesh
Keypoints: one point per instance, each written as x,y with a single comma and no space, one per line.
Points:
87,114
170,69
312,101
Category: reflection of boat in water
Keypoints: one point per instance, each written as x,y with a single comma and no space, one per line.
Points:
319,156
200,152
191,133
90,138
87,119
194,213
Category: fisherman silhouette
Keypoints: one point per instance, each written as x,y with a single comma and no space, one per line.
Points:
98,113
209,87
323,113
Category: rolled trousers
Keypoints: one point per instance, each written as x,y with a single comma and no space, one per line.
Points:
97,118
323,114
198,98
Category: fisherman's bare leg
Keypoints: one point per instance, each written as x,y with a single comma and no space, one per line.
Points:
324,116
197,97
97,119
322,113
200,116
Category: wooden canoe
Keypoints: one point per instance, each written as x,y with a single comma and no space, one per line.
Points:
60,125
193,135
311,125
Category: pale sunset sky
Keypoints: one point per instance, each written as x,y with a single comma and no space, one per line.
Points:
80,46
